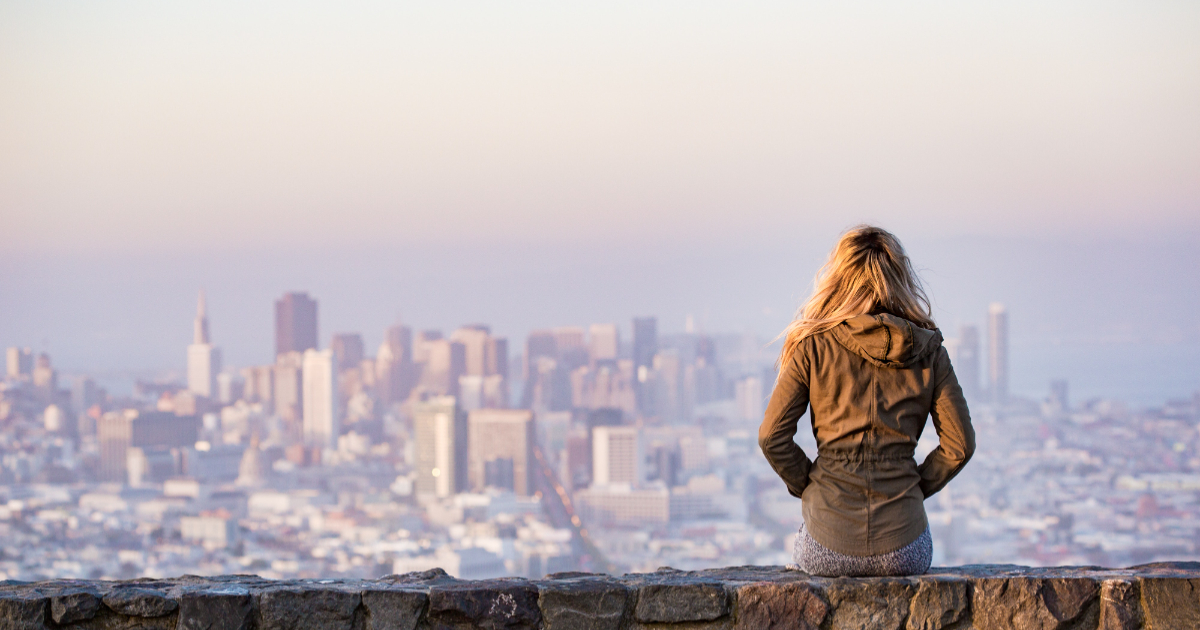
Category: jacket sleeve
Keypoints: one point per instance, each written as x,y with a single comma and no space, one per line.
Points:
788,402
952,421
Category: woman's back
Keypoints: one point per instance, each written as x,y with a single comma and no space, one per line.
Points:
871,382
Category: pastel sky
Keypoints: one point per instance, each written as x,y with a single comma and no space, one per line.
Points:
532,164
129,126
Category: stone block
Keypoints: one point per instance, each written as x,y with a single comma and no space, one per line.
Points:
393,608
1119,605
939,604
1035,603
307,607
71,605
680,599
1171,602
584,603
224,607
780,606
23,611
139,602
490,605
876,603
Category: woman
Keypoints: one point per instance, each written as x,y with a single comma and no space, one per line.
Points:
865,355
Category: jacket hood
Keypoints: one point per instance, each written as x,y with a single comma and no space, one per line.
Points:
886,340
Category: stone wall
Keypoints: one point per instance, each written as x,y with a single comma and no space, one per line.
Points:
984,597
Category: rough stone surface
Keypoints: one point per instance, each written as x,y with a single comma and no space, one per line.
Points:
490,604
23,611
73,605
880,603
307,607
1035,602
583,602
393,608
672,597
774,606
219,607
1119,606
982,597
939,604
1171,602
135,601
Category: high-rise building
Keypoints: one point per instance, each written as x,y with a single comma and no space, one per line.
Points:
570,344
645,341
400,338
288,388
964,356
645,346
441,448
347,350
748,392
117,432
500,449
474,339
539,344
998,352
321,426
295,323
20,362
616,456
446,362
203,358
498,357
603,342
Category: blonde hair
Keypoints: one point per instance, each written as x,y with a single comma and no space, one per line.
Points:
867,272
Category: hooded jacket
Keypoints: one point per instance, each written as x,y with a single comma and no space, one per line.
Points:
871,383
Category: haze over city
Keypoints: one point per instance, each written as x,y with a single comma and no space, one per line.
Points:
522,184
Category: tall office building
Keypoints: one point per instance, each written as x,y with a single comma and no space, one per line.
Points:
445,363
203,358
20,362
295,323
616,456
645,346
998,352
500,449
321,426
347,350
441,448
117,432
288,388
497,361
540,343
474,339
603,342
965,359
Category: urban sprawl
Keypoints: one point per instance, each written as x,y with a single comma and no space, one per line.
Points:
585,450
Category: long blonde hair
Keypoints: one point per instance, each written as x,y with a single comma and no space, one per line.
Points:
867,272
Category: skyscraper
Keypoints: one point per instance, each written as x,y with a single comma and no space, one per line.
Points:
539,344
321,426
500,448
603,342
440,434
295,323
347,350
645,346
966,361
998,353
616,456
474,339
20,362
203,358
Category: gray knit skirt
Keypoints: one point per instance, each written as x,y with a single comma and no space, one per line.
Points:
813,558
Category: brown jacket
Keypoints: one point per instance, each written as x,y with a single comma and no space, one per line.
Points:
871,382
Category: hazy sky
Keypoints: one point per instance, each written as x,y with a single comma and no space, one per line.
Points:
454,162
